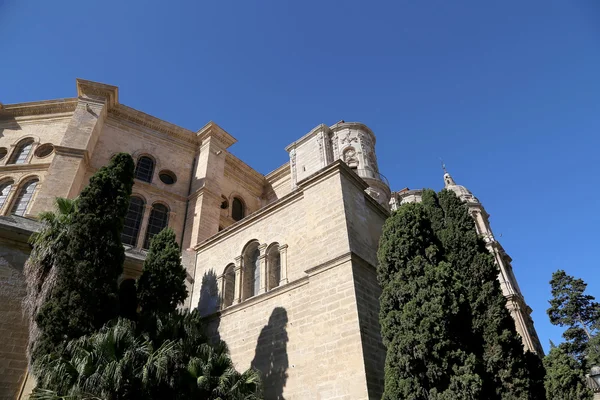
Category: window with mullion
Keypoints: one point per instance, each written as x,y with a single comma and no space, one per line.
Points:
21,152
144,169
24,197
159,219
132,222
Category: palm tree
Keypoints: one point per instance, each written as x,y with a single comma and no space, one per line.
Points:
40,269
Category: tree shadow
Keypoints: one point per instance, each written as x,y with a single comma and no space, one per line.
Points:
270,357
209,304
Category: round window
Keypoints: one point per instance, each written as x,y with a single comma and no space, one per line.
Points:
3,152
167,177
44,150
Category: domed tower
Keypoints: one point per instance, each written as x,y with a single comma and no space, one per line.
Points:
354,143
351,142
515,302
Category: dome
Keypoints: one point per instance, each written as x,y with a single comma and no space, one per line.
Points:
462,192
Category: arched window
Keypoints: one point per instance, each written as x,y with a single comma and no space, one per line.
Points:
132,222
24,197
237,209
144,169
159,219
273,266
228,285
21,152
251,273
5,190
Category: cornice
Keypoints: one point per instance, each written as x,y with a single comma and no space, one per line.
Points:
279,172
248,220
99,92
72,152
24,167
313,131
57,106
213,130
353,125
136,117
148,187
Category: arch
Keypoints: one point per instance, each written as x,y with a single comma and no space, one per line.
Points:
133,221
251,270
5,187
158,220
238,209
273,266
144,168
21,152
24,195
228,285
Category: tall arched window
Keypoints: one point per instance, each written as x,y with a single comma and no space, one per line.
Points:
237,209
133,220
228,285
251,273
273,266
24,197
5,190
159,219
144,169
21,152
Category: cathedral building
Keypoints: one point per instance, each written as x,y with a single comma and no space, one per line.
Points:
281,265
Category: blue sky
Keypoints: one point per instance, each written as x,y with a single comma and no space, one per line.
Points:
507,92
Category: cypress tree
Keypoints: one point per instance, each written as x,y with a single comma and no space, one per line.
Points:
162,284
493,335
565,379
420,310
91,260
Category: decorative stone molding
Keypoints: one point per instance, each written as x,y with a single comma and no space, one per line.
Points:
38,108
283,279
99,92
213,130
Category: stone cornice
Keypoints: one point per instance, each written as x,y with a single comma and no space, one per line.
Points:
24,167
304,138
148,187
98,92
72,152
248,220
38,108
256,179
156,124
278,173
353,125
213,130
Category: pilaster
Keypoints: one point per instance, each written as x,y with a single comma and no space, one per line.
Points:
283,279
66,174
143,227
237,295
263,268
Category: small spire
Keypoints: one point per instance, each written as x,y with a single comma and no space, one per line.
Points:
443,166
447,178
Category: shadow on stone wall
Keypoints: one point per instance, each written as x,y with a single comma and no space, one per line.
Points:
270,356
208,305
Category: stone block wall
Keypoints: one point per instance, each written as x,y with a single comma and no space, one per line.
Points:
13,328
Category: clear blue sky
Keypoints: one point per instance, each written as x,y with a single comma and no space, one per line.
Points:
507,92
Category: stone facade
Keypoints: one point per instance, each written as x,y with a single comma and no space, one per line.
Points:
282,265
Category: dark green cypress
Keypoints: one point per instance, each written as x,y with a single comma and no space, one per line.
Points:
86,292
420,309
565,380
161,288
493,335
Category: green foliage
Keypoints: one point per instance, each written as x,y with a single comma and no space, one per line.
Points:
40,269
564,377
164,274
443,316
420,310
84,351
570,306
90,259
117,363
